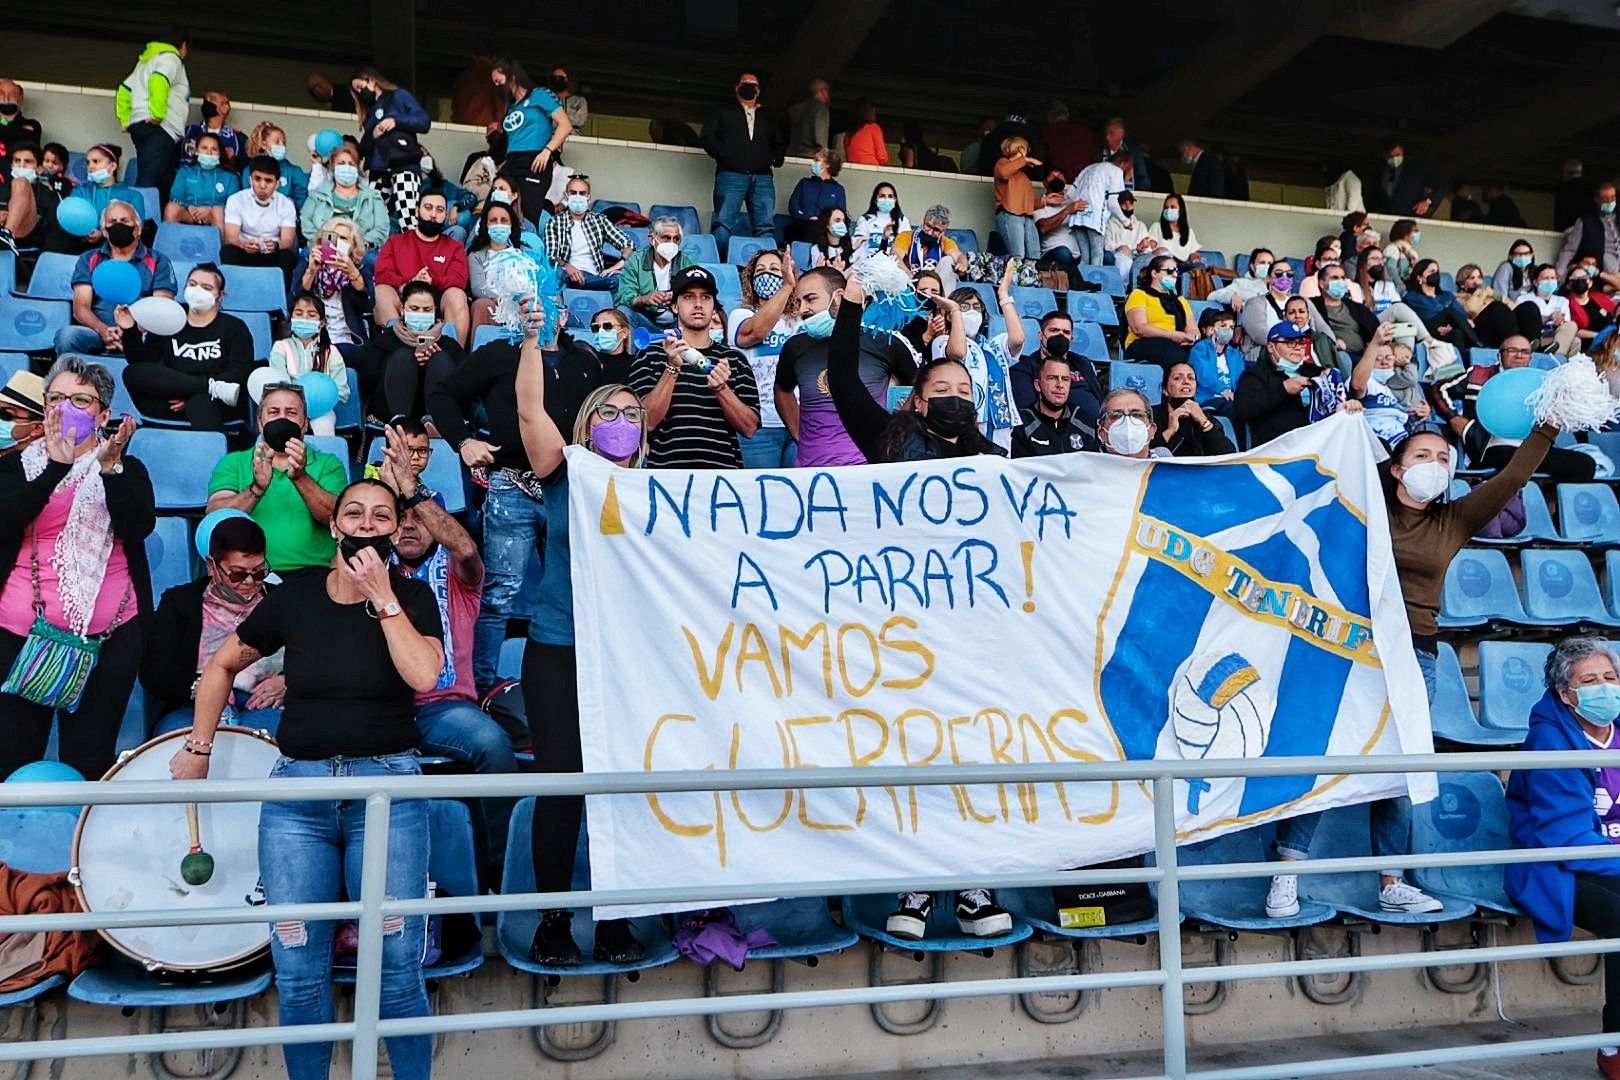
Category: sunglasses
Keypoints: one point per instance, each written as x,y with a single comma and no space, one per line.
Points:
605,326
237,577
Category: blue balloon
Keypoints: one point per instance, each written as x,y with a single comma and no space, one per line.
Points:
116,281
326,141
205,527
320,393
48,772
77,217
1501,406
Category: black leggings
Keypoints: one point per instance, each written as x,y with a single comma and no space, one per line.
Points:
551,700
531,186
153,386
1597,911
88,739
1156,350
1497,322
1564,466
1462,334
404,383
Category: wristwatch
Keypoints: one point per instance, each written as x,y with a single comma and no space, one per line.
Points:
422,494
389,610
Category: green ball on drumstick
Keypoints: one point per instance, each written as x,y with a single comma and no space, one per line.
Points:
197,866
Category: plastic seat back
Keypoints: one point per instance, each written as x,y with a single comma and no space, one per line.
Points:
252,288
510,663
443,473
168,553
1588,512
1146,379
197,243
347,415
1469,814
53,277
966,239
181,462
258,326
452,858
702,247
1559,586
28,325
1105,277
1033,302
1478,588
583,304
335,445
37,840
726,277
1088,341
687,215
602,205
1094,307
741,248
1510,682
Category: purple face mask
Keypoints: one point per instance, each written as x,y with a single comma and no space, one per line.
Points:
616,439
77,424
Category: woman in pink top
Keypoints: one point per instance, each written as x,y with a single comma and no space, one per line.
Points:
73,553
864,145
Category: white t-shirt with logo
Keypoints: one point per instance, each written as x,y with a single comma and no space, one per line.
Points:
762,358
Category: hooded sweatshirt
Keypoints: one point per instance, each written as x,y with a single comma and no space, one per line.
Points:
156,90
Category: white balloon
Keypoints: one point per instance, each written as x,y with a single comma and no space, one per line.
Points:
158,315
261,377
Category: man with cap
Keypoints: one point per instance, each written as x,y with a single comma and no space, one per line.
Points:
1271,394
745,145
699,393
22,411
1127,237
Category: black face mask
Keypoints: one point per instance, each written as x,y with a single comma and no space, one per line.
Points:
278,432
504,91
366,98
1432,280
429,229
121,234
559,83
1375,273
352,546
9,108
209,110
1579,286
748,91
951,416
1057,345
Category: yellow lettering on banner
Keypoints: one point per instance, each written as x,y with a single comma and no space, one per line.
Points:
791,640
669,823
1080,754
906,645
800,763
736,796
843,659
711,681
861,761
612,522
753,648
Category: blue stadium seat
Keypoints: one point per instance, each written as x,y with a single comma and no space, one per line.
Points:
1451,714
1239,903
1231,432
1479,357
252,288
53,277
1089,342
741,248
1094,307
151,205
181,464
11,363
966,239
602,205
701,246
726,276
8,272
1033,302
1212,257
1469,814
638,233
1510,682
803,253
584,303
1241,264
1538,523
443,473
1345,833
691,225
28,325
337,447
258,324
348,415
1299,269
76,166
123,985
168,553
1560,589
1588,512
1545,361
1479,591
1147,378
1201,306
1448,282
1105,277
38,840
868,916
510,663
987,296
197,243
1611,579
486,334
122,403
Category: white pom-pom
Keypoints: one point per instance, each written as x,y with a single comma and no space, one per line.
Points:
1575,397
882,276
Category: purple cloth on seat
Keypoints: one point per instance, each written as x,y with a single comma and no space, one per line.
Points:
704,936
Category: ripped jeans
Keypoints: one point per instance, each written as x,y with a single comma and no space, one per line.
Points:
309,852
514,528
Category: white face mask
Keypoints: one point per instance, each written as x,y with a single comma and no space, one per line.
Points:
972,322
667,250
199,299
1127,436
1426,481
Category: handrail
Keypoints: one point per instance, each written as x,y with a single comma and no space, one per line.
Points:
371,908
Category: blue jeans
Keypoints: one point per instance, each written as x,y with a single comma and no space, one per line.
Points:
1090,242
639,318
265,719
1020,234
599,282
79,339
514,527
769,448
731,190
462,731
309,852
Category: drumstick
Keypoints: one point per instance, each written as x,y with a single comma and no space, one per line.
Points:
197,866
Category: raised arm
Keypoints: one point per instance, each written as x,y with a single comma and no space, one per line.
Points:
542,441
864,419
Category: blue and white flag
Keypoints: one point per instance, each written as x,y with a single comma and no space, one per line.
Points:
1073,608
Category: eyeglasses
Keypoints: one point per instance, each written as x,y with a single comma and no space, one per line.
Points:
83,401
419,453
290,387
1294,343
237,577
633,413
1121,414
932,234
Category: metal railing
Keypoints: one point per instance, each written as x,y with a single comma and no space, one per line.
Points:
373,907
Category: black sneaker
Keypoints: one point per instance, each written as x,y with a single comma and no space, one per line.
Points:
615,944
978,914
553,943
910,919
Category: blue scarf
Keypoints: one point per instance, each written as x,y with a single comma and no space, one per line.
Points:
435,572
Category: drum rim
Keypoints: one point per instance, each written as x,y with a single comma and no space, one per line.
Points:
230,963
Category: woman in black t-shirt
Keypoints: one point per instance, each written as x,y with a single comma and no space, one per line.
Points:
360,642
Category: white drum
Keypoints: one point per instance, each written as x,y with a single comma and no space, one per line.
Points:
128,858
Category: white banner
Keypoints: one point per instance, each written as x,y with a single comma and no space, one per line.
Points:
1072,608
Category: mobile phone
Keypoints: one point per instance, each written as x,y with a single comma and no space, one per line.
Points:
326,249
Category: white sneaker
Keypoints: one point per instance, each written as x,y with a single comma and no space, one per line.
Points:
1282,899
225,393
1406,898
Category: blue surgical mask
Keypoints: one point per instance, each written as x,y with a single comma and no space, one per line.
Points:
1382,375
1288,367
1338,288
606,340
577,204
1599,703
838,229
819,325
500,234
208,161
8,434
304,329
1417,238
345,174
1172,215
1167,282
99,176
27,176
1607,208
276,151
418,322
717,335
1547,286
816,169
1521,261
885,205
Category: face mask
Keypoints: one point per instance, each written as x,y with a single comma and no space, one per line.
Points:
1606,208
616,439
305,329
429,229
1283,282
1598,704
366,97
951,416
767,285
1545,287
1417,238
819,325
99,176
1382,375
1187,159
1289,368
27,176
208,161
1521,261
972,323
1426,481
418,322
121,234
606,340
8,434
1167,282
885,205
838,229
276,151
1126,211
199,299
1580,286
352,545
1127,436
1223,335
501,196
577,204
717,335
748,91
1057,345
1432,279
1172,215
278,431
559,83
346,174
816,169
1338,288
500,234
1260,270
1395,160
224,590
9,108
667,250
77,424
209,110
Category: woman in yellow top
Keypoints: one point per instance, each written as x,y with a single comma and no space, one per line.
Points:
1161,324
